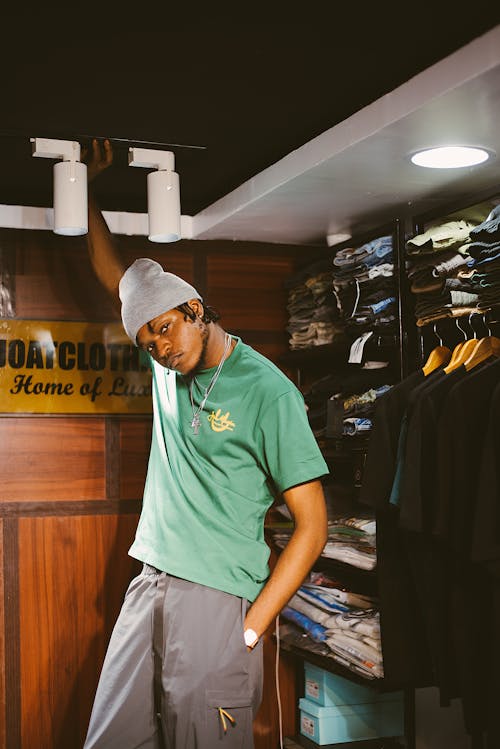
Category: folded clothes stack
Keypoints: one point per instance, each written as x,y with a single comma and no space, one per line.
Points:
454,268
363,282
483,266
345,622
313,316
350,540
358,410
356,389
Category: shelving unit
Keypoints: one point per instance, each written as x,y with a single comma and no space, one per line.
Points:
350,451
406,353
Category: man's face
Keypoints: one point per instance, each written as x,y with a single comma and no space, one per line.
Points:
174,341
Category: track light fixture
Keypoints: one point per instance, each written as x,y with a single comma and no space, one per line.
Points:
70,184
164,205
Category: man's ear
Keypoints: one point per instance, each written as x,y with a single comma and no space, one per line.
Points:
197,307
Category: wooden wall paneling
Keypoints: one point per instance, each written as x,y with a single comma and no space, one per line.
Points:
266,723
11,713
135,441
267,269
175,258
55,281
73,573
247,288
52,458
260,309
272,351
248,291
200,271
3,701
113,462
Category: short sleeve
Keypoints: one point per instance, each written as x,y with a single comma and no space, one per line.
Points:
290,452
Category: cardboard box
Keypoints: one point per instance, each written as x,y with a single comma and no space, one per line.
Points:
329,689
335,725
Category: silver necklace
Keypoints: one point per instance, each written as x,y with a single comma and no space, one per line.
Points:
195,422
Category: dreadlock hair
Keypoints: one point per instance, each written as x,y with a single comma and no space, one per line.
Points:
209,313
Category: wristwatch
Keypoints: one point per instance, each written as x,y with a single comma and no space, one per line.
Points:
251,638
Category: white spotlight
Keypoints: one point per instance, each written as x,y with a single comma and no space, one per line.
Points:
164,203
70,184
450,157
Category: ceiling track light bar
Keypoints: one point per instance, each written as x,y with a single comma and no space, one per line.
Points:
125,141
130,142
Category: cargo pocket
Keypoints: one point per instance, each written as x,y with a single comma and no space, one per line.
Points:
229,720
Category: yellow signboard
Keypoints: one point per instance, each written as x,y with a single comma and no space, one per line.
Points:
62,367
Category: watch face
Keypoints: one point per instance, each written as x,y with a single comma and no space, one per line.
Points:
250,637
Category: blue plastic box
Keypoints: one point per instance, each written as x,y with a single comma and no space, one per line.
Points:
328,689
335,725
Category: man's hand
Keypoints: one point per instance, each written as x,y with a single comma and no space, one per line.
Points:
98,158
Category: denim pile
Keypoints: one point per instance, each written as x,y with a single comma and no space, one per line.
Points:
483,265
439,272
363,282
313,316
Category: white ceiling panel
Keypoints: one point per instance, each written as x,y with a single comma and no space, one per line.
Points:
357,175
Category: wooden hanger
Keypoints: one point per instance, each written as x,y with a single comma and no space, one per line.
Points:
460,356
455,352
461,351
438,356
484,349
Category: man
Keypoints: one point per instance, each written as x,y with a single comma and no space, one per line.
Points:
230,435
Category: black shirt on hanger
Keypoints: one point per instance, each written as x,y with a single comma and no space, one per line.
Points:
416,499
462,433
380,465
419,480
404,647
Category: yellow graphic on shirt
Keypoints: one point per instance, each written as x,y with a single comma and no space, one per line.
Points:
220,422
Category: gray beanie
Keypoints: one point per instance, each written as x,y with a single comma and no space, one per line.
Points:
146,291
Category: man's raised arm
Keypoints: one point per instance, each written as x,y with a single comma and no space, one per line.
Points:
103,253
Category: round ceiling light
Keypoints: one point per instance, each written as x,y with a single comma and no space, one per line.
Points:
450,157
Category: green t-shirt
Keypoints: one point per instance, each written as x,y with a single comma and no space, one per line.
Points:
206,495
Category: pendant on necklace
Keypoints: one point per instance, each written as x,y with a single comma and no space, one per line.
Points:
196,423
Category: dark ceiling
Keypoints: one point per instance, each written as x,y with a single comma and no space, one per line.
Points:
231,99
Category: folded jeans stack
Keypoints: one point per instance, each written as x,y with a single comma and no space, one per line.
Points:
313,316
363,282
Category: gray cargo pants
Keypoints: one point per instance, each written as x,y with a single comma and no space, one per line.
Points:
177,649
